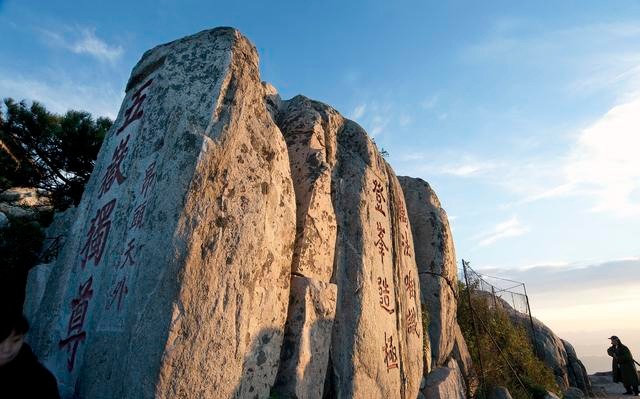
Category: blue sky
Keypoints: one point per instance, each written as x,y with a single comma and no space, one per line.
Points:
523,117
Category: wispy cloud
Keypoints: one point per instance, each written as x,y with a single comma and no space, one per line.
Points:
603,164
554,276
596,57
378,124
429,102
506,229
63,94
374,116
468,167
405,120
358,112
83,40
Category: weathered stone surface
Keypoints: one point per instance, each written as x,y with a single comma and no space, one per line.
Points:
4,221
55,236
436,260
37,282
310,132
499,393
567,369
573,393
578,376
175,283
25,196
305,349
18,212
376,349
445,383
465,363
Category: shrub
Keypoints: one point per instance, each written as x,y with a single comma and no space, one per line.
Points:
495,327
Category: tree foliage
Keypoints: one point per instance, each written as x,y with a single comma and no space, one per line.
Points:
494,326
55,153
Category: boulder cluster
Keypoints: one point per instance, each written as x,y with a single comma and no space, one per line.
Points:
232,244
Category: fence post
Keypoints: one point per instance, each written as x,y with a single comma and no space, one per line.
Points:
533,329
475,328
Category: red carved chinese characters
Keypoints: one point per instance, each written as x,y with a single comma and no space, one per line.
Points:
378,189
412,321
410,285
121,289
390,353
135,112
97,235
113,172
380,244
402,215
385,295
128,255
404,243
149,178
138,216
75,328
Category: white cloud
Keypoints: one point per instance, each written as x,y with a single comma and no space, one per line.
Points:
358,112
468,167
83,40
506,229
430,102
378,124
405,120
603,164
62,95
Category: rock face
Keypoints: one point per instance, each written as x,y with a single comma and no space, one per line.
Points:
499,393
557,354
176,281
231,244
573,393
305,350
436,259
577,373
445,383
353,231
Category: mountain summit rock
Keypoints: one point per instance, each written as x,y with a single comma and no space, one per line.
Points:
230,244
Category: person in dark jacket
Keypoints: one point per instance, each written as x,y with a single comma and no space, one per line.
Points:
21,375
624,368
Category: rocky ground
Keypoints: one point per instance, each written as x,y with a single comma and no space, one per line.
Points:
604,387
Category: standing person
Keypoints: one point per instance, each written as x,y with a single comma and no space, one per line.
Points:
21,375
624,368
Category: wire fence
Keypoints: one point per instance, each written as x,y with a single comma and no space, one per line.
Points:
502,290
50,248
500,293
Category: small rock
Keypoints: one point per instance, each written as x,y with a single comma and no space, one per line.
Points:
499,393
573,393
17,212
4,221
24,196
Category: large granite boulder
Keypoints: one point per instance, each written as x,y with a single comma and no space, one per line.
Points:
174,281
445,383
462,356
353,231
305,351
576,371
436,260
